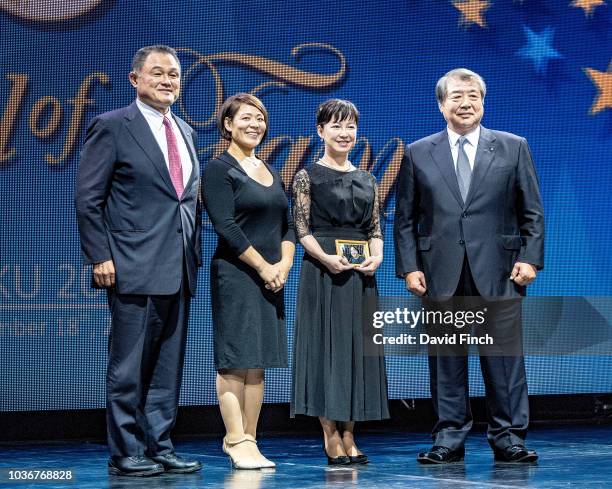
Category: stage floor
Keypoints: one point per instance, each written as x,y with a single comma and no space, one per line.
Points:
573,456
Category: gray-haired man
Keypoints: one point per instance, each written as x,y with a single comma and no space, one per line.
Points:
469,223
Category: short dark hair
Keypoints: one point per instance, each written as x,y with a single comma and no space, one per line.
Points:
336,110
142,54
231,106
462,74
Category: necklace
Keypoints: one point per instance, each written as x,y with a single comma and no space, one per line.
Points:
253,160
348,168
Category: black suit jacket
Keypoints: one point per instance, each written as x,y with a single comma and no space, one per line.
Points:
128,210
501,222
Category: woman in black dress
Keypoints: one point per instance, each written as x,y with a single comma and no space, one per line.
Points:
248,208
332,377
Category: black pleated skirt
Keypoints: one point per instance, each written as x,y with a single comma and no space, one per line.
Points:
332,377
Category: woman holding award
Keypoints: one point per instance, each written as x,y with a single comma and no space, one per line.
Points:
336,206
248,208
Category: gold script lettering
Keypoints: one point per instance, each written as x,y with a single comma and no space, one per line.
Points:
7,124
298,148
390,164
366,162
302,148
282,72
295,159
301,151
80,102
47,103
272,146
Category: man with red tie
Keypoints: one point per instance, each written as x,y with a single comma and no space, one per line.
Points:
138,210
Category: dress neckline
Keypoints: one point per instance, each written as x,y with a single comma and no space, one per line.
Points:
351,169
239,167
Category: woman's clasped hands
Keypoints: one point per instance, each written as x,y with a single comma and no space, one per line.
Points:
274,275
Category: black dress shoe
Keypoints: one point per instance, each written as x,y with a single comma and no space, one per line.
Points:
441,455
174,464
134,466
515,454
359,459
341,460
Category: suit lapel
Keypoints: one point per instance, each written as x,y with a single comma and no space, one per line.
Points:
139,128
441,154
484,156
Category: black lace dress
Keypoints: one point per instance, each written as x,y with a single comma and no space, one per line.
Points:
332,376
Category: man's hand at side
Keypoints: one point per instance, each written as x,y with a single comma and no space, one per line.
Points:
104,274
523,273
415,283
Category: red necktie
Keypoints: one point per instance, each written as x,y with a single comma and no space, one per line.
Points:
174,159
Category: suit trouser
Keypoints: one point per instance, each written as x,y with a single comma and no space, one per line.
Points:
145,368
503,370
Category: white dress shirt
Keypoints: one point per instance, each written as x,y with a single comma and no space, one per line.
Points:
470,145
156,122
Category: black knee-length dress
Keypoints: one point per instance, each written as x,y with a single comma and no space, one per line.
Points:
332,377
248,319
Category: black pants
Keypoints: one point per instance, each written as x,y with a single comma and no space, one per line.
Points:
503,370
145,367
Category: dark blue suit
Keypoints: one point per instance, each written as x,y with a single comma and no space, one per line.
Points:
469,249
128,211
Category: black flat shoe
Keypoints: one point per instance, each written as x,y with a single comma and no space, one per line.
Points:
441,455
341,460
515,454
359,459
134,467
174,464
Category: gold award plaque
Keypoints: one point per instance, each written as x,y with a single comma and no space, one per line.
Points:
355,251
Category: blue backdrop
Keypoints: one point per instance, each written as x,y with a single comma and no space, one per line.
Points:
546,64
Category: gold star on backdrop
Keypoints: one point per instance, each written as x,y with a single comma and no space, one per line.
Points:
603,81
587,5
472,11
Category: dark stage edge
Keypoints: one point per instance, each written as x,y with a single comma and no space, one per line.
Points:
572,456
408,415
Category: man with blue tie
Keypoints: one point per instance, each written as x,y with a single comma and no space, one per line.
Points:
469,224
138,210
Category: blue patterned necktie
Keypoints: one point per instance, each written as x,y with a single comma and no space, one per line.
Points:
464,171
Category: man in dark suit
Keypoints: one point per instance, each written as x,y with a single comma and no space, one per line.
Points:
138,209
469,223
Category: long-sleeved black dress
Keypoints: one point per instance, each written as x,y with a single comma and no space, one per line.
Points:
248,319
332,375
